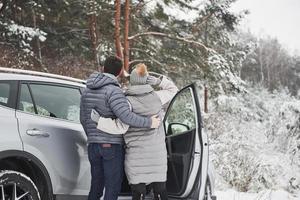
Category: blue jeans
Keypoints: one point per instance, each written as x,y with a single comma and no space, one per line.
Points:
107,163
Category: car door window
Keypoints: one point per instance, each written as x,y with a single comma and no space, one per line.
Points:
4,93
50,101
181,116
26,103
56,101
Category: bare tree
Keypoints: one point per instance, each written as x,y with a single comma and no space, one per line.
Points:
126,33
92,21
118,44
37,40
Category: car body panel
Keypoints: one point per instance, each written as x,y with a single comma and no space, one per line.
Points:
59,138
203,137
64,151
10,138
22,77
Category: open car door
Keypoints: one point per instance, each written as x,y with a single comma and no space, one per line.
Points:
187,146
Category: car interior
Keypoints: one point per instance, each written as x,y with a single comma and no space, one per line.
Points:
180,151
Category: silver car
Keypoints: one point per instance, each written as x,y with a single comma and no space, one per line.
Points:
43,149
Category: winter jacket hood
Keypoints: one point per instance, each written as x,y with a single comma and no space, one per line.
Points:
134,90
98,80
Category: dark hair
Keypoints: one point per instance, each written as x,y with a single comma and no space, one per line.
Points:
113,65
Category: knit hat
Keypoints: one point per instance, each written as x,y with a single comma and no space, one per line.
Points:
139,75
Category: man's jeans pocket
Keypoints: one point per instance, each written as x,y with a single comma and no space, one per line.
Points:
108,153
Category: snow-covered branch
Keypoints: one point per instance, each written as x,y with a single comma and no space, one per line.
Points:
137,61
23,34
159,34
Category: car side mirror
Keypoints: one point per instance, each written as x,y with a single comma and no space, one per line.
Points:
177,128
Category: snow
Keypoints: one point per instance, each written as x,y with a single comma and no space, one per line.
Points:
10,172
255,144
73,113
263,195
174,10
3,99
221,69
180,13
24,34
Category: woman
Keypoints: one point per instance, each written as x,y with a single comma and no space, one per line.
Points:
146,154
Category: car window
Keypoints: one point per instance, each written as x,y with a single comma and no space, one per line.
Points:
4,93
26,103
56,101
181,116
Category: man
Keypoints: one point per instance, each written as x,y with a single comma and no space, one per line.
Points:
105,151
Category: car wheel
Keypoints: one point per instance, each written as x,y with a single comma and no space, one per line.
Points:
17,186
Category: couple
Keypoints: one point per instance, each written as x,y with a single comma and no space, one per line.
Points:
109,118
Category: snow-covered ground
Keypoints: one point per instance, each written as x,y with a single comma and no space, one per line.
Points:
263,195
255,145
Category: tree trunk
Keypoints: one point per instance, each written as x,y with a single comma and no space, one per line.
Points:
126,32
94,36
117,29
205,99
268,74
13,10
262,78
38,51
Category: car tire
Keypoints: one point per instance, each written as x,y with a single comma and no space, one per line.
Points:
15,185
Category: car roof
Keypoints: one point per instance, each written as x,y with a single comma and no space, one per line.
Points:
25,77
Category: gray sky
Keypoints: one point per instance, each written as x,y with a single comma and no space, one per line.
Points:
277,18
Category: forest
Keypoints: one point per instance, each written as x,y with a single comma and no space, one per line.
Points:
187,40
253,120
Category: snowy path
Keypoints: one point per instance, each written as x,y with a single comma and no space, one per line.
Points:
264,195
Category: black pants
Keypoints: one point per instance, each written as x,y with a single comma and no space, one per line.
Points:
159,188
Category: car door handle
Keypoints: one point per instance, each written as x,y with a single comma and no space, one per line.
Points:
37,132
